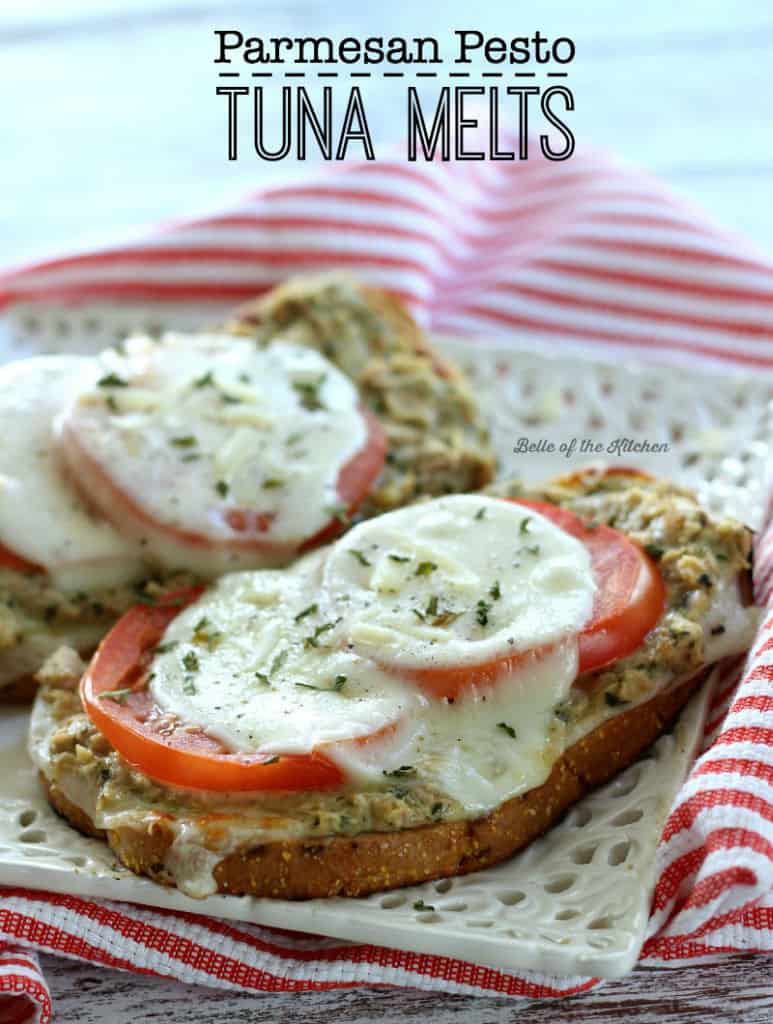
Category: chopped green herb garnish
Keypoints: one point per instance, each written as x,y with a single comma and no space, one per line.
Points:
112,404
245,378
271,760
191,661
204,382
506,728
524,527
119,696
294,438
313,640
654,551
495,590
337,686
425,568
272,483
432,605
402,772
188,441
202,635
278,661
306,611
355,553
142,597
481,612
112,380
419,615
190,457
308,392
263,678
399,558
480,513
532,549
222,488
189,686
421,905
164,648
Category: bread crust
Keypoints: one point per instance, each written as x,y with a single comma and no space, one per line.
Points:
20,691
378,861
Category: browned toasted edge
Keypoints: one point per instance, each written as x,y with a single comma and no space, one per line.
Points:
21,691
377,861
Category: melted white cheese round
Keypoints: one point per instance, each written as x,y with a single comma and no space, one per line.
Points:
41,516
482,748
458,580
266,662
257,664
204,443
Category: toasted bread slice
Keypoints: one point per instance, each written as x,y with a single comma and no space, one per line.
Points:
370,862
361,840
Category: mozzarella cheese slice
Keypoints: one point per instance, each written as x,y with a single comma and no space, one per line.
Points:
199,442
42,517
268,662
258,665
459,580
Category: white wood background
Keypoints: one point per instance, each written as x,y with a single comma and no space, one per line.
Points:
109,123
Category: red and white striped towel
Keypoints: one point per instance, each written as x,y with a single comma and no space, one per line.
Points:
588,253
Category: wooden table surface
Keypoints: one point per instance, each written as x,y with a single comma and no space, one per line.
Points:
110,123
737,989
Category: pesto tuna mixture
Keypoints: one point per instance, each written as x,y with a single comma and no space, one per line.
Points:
697,554
37,617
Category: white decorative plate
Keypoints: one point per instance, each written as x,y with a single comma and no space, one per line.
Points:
576,901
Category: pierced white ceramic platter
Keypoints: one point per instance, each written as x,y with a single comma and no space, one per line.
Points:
576,901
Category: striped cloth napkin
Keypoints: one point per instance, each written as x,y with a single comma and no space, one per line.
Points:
587,252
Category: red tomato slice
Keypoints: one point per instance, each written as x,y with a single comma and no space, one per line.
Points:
451,682
178,757
629,601
355,481
631,594
10,560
